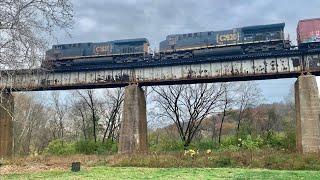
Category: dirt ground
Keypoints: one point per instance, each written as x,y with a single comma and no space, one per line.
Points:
48,163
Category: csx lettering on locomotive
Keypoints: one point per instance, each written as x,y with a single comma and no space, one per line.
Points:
222,38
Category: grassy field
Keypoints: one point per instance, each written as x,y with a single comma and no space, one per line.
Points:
169,173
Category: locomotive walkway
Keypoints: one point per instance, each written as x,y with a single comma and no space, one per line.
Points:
286,64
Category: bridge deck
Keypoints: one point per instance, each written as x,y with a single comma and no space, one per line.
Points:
264,66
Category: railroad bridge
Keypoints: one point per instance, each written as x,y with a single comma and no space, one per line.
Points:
133,135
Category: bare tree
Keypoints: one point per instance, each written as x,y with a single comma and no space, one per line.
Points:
79,113
247,95
88,97
112,111
30,125
59,112
26,26
187,106
227,103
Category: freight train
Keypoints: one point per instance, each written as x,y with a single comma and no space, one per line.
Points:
238,41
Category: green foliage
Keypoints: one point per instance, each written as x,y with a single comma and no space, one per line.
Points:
251,143
285,140
59,147
91,147
204,145
164,143
290,140
229,143
229,140
274,140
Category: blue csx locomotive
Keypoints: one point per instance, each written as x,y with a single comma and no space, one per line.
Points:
251,39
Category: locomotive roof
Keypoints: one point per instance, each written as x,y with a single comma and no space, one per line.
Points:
245,28
114,41
266,26
131,40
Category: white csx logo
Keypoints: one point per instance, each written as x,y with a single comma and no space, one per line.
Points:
102,49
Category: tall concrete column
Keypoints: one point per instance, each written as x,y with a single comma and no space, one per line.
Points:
308,114
6,124
133,132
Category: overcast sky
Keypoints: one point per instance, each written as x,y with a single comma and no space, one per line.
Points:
104,20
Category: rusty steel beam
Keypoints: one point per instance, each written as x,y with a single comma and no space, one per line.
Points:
241,70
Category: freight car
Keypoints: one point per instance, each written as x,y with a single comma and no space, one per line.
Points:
308,33
118,51
243,40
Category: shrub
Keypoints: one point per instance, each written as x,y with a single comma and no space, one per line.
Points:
205,144
86,147
59,147
251,143
165,144
274,140
229,140
91,147
290,140
285,140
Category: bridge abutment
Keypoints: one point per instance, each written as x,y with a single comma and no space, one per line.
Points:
6,124
307,114
133,132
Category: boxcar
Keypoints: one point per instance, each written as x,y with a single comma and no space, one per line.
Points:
308,33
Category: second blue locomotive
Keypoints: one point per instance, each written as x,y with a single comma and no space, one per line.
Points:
250,39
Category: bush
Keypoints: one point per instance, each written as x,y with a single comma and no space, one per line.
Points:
229,141
205,144
285,140
290,140
59,147
165,144
91,147
251,143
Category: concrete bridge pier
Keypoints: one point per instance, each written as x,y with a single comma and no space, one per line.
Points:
6,124
133,132
307,114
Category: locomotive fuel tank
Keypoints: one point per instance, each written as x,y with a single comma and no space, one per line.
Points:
219,51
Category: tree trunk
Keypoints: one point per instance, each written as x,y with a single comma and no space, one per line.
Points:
239,122
213,128
94,126
221,125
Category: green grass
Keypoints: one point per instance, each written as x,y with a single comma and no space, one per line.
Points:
169,173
